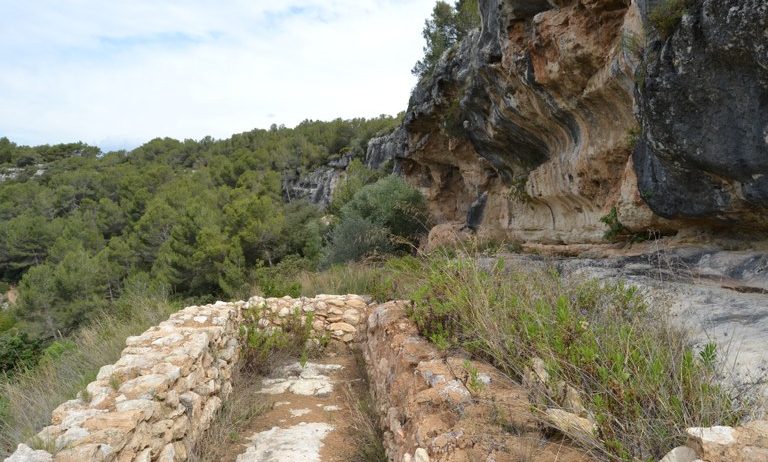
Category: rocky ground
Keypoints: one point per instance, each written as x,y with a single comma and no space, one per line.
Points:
309,414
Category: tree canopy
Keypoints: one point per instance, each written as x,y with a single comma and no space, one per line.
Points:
201,218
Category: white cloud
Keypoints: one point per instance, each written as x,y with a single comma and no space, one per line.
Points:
122,72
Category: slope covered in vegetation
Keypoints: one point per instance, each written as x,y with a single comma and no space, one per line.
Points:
199,219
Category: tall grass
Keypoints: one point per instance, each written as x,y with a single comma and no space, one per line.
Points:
28,397
380,280
365,431
637,376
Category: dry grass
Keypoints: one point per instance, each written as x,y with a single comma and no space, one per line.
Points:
363,278
636,373
366,433
27,398
224,435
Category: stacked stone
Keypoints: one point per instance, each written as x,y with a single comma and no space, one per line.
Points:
161,395
336,316
748,443
155,401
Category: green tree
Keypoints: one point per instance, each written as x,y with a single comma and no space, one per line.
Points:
54,299
24,242
447,26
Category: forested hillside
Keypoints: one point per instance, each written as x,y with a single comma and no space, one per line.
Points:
198,219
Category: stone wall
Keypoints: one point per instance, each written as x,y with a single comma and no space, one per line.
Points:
161,395
442,406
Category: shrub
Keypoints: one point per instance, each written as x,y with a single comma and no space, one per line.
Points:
615,227
666,15
639,377
356,177
355,238
279,280
266,347
18,350
385,217
393,204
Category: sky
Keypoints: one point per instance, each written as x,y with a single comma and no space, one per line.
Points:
117,73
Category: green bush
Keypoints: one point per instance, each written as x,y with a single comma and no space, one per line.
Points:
266,347
615,227
392,204
357,176
384,217
280,280
18,350
356,238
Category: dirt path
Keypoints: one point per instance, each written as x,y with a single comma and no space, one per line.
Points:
309,413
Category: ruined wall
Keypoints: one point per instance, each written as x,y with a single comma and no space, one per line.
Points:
157,399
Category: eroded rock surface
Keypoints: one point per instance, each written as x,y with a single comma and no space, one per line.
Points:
703,100
299,442
537,111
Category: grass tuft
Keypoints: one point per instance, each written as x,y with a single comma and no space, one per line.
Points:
367,434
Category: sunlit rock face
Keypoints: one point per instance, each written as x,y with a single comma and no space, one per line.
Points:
537,111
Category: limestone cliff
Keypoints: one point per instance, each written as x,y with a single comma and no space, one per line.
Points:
527,129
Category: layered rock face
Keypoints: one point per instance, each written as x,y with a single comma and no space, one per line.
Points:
315,186
536,113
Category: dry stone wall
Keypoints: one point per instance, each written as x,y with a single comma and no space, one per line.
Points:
162,394
157,399
440,406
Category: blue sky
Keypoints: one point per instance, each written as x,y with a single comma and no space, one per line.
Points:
120,72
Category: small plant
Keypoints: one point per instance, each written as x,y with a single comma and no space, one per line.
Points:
43,444
115,382
633,136
615,227
667,15
440,339
517,191
474,384
708,355
366,432
85,395
632,43
265,345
